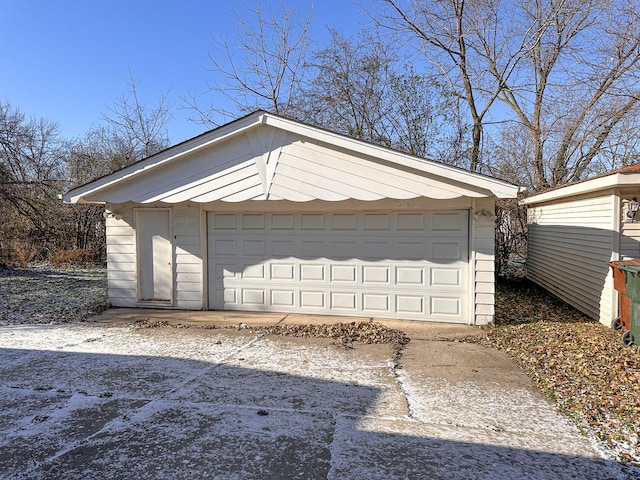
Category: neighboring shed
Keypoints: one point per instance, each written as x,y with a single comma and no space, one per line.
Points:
575,230
270,214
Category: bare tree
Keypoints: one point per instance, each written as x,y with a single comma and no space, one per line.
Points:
583,64
447,30
32,171
347,90
37,164
261,67
362,87
567,69
134,130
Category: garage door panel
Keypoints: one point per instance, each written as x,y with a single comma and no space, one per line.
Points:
446,306
344,301
312,273
253,296
312,221
376,303
412,249
376,221
229,296
311,248
282,248
344,273
445,277
315,300
253,248
410,276
448,223
375,264
222,221
224,247
283,298
343,249
224,270
410,222
255,272
410,304
450,250
282,221
344,221
283,271
375,250
253,221
375,275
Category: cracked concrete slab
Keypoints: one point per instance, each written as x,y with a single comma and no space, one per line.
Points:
106,400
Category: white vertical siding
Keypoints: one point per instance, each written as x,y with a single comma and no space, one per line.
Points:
121,259
188,258
569,245
483,258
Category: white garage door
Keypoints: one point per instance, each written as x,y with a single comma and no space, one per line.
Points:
410,265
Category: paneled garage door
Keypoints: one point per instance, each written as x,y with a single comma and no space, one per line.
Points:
410,265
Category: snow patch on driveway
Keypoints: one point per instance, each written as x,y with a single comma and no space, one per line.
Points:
91,401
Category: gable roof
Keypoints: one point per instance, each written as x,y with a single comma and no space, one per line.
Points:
620,177
263,156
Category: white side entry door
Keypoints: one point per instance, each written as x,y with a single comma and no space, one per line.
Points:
155,266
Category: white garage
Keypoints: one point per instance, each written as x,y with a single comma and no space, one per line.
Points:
269,214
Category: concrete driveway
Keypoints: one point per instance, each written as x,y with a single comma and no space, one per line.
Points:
107,400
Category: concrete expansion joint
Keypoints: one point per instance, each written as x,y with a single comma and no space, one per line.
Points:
332,449
393,368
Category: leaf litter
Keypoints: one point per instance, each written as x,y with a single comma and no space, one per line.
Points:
579,363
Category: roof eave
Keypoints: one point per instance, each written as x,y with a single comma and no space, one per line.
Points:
78,194
586,187
498,188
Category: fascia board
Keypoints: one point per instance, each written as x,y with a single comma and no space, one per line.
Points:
499,188
588,186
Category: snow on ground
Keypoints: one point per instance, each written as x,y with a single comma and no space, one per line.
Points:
42,295
94,401
84,400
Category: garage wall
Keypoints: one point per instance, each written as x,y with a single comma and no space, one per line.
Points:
188,258
122,277
121,258
188,251
570,243
483,257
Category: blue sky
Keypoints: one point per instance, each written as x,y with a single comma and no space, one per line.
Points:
68,60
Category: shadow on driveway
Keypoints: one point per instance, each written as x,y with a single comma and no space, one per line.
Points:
112,403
